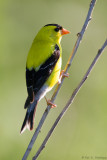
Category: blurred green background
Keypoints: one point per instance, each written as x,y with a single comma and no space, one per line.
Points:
83,129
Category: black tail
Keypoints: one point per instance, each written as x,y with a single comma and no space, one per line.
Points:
29,118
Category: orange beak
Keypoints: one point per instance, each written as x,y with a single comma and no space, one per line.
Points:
64,31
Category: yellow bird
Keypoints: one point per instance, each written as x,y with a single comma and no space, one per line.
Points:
43,68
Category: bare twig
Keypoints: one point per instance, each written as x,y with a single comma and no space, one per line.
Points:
80,35
70,100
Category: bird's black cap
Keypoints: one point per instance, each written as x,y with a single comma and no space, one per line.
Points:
57,25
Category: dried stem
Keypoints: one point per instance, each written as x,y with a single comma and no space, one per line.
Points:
70,100
80,35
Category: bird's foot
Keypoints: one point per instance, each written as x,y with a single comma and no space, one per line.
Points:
62,74
50,103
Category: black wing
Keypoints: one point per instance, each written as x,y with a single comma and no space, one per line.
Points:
36,79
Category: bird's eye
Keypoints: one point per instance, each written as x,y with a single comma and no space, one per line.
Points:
56,29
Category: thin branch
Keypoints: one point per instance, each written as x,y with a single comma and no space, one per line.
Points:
70,100
80,35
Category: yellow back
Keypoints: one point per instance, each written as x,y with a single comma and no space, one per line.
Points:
39,53
43,46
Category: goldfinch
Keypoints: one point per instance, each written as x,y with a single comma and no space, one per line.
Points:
43,68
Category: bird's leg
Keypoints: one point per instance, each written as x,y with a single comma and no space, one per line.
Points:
50,103
63,74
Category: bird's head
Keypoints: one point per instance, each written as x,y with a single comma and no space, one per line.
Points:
52,32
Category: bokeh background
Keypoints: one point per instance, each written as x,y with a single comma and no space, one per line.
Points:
82,132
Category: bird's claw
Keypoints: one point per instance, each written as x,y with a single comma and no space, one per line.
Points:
63,74
50,103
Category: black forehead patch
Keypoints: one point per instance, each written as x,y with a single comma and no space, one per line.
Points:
57,25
